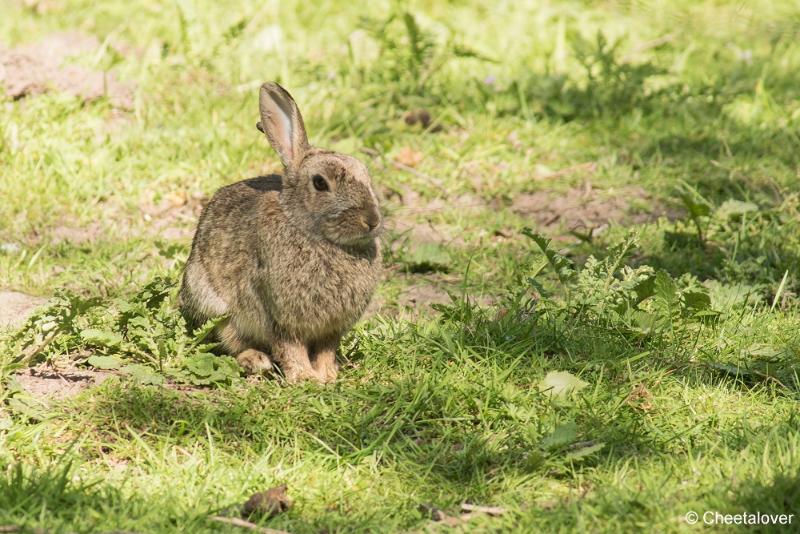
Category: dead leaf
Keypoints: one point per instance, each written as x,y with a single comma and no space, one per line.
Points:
267,503
176,199
408,157
640,398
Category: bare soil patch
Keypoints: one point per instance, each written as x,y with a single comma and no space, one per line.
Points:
16,307
77,235
58,383
36,68
422,295
587,208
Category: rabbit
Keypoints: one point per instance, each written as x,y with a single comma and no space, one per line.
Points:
292,260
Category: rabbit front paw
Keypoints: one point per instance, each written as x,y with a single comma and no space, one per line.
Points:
254,362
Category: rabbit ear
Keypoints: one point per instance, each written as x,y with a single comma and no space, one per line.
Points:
282,123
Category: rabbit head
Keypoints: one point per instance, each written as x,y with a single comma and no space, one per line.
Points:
325,193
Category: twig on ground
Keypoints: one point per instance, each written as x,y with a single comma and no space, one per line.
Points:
490,510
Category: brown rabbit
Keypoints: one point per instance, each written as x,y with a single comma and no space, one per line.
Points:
292,260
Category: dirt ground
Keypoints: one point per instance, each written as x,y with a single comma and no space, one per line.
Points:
587,208
16,307
57,383
43,66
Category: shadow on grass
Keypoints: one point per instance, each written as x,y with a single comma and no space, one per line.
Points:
457,421
26,492
757,257
781,496
55,499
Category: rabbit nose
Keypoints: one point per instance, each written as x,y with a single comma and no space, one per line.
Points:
372,220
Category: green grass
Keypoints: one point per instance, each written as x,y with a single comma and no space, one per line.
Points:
684,328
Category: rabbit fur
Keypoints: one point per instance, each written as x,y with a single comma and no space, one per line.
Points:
291,260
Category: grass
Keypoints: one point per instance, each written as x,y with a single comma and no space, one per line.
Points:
677,333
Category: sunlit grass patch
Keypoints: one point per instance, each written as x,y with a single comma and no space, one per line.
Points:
640,365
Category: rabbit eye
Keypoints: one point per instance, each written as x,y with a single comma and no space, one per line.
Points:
319,183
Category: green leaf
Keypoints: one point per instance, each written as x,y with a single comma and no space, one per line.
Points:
667,302
206,329
202,364
696,300
104,362
563,435
695,208
560,384
767,352
205,369
617,254
101,338
664,288
562,266
708,316
228,366
140,322
142,374
414,37
645,289
645,323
